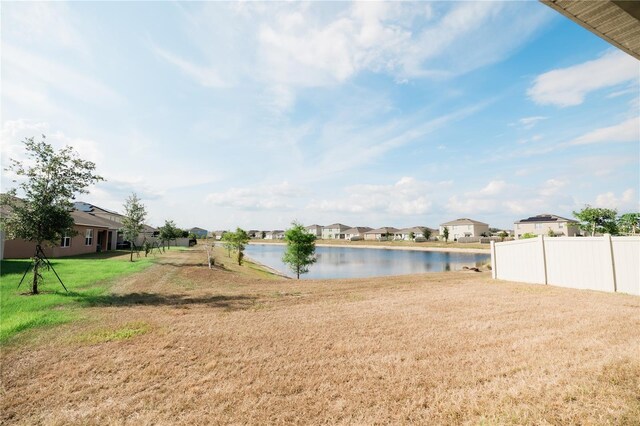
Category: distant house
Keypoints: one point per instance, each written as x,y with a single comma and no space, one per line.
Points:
464,227
254,234
334,232
381,234
275,235
314,230
356,233
218,234
199,232
543,223
417,231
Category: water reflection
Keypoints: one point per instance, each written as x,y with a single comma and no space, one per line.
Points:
346,262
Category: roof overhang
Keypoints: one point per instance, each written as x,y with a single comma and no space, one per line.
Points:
617,22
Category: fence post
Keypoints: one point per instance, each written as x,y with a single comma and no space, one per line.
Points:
494,272
544,258
609,242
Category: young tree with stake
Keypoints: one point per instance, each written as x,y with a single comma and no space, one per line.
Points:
132,225
51,180
301,248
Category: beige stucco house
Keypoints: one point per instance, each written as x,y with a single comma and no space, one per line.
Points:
356,233
543,223
418,231
381,234
334,232
314,230
464,227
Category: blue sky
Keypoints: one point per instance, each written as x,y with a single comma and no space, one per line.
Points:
371,114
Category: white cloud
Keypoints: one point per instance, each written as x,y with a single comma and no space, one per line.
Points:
26,70
495,187
268,197
529,122
568,86
627,131
552,187
407,197
205,76
51,24
628,200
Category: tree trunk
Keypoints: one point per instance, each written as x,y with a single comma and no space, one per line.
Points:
36,267
131,258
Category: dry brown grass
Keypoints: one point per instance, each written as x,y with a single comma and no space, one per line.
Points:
226,346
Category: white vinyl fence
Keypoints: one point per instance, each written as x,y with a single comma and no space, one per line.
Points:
603,263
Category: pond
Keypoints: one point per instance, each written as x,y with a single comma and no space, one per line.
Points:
347,262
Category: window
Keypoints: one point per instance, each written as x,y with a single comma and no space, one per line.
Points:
561,225
88,237
66,241
538,226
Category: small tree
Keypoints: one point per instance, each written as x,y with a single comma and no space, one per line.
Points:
239,240
426,233
43,213
301,248
629,223
503,235
132,224
411,236
169,231
227,242
263,234
445,234
593,219
550,233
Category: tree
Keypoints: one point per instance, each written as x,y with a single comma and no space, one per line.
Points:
169,231
239,240
550,233
594,219
263,234
301,248
426,233
51,181
503,235
411,236
445,234
629,223
132,224
227,242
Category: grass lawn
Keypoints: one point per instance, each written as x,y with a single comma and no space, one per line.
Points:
87,277
185,344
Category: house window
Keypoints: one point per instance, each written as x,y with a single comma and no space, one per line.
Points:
561,225
88,237
66,241
538,226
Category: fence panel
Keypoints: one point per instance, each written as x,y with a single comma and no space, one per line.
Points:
520,260
583,263
626,255
593,263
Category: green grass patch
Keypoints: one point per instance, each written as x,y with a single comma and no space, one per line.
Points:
125,332
87,277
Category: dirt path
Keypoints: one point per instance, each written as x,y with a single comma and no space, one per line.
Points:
225,346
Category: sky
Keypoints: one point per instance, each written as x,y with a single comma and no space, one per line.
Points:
256,114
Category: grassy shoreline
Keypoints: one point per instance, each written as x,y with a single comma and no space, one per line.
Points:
396,245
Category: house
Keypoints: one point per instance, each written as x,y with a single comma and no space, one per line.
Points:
545,223
147,231
381,234
218,234
274,235
417,231
334,232
92,234
199,232
464,227
356,233
314,230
